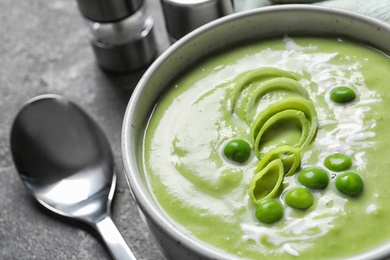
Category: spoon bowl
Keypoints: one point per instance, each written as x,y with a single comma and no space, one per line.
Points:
65,160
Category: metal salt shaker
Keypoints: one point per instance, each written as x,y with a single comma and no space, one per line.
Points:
120,32
183,16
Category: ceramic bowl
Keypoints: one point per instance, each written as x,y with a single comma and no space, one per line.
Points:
231,30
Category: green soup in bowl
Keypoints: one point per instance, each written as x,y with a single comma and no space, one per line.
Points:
252,141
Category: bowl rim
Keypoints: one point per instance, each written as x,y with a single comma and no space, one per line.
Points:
140,190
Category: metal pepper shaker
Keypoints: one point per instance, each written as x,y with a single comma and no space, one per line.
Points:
183,16
120,32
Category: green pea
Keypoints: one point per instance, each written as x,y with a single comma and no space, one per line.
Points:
342,95
299,198
237,150
349,183
315,178
269,211
338,162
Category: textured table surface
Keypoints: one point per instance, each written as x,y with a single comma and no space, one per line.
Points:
44,49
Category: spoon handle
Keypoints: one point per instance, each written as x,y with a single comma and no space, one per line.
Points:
114,240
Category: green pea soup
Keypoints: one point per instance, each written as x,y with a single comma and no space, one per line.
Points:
207,194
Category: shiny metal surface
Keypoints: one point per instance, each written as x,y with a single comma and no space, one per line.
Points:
65,160
126,45
108,10
183,16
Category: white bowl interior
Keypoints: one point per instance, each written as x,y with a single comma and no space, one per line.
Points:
218,35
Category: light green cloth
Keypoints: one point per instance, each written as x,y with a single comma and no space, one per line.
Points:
379,9
243,5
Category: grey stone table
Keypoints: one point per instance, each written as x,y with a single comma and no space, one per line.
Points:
44,49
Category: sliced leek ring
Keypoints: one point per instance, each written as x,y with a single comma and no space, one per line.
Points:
290,157
271,85
246,78
266,183
294,103
296,115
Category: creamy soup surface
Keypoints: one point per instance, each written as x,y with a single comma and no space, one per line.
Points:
208,194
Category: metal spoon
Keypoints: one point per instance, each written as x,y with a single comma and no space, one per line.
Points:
65,160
